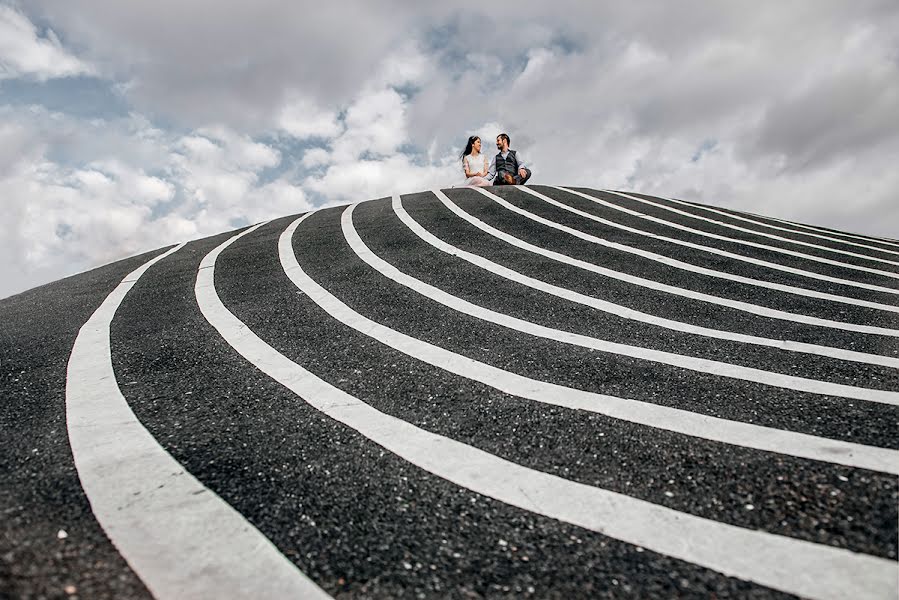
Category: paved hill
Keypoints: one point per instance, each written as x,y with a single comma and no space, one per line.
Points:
528,392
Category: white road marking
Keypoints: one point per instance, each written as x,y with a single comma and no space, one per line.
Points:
647,283
644,413
700,365
628,313
181,539
783,563
867,238
711,250
677,264
878,240
739,257
739,228
775,227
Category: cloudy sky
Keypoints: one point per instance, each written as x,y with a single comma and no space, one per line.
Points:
128,126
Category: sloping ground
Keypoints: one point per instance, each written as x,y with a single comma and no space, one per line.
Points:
530,391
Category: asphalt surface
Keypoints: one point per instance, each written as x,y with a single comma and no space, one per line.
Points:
40,495
362,522
742,236
885,243
887,252
546,237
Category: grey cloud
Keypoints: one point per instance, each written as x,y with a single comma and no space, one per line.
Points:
841,116
205,62
713,70
633,89
17,145
73,141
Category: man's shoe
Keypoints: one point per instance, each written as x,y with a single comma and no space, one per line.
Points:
507,177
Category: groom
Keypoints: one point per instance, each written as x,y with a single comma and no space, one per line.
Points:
507,167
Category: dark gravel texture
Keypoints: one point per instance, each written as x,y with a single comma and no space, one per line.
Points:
794,234
40,494
884,242
733,247
391,304
391,240
359,521
716,229
552,239
433,216
365,524
561,441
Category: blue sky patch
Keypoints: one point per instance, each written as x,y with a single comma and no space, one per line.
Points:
82,97
704,148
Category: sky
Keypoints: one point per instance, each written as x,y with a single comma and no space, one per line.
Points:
125,127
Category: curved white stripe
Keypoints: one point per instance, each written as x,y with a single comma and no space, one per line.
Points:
787,564
628,313
867,238
677,264
711,250
740,257
744,230
644,413
775,227
736,304
692,363
179,537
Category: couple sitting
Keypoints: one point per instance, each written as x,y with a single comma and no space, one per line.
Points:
507,168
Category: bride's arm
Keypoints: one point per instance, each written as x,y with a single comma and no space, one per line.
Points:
465,168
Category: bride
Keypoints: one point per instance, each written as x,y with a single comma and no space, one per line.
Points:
474,164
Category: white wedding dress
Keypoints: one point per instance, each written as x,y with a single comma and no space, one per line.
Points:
476,164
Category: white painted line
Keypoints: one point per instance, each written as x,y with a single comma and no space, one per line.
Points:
647,283
769,226
743,229
700,365
867,238
181,539
711,250
628,313
782,563
687,362
645,413
677,264
740,257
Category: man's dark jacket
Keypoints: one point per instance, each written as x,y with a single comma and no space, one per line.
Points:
508,165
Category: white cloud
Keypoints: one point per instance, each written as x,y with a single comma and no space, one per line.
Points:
17,145
365,160
24,53
375,124
539,61
275,199
407,65
316,157
366,179
195,63
65,218
721,103
218,172
78,217
220,147
302,119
